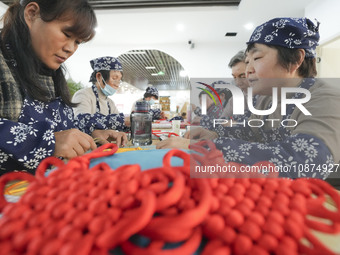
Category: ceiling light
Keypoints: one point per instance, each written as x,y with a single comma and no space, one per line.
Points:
150,67
160,73
249,26
154,74
180,27
183,73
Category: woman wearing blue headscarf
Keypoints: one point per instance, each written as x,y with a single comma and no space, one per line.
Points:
302,138
150,96
95,110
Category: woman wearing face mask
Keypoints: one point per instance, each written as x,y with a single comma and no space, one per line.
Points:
151,95
95,110
36,116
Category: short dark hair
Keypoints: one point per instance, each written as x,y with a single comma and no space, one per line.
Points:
105,74
226,92
287,56
239,57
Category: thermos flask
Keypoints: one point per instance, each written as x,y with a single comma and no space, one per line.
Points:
141,124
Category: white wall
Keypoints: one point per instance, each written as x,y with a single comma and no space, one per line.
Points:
330,63
327,12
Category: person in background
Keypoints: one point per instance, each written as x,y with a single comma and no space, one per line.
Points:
213,110
151,95
95,110
36,116
238,71
224,95
181,117
281,54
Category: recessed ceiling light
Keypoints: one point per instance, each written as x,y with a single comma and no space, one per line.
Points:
180,27
154,74
249,26
150,67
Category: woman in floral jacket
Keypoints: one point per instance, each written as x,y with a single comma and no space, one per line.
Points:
36,117
95,110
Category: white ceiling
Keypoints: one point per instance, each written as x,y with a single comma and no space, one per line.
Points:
199,24
144,28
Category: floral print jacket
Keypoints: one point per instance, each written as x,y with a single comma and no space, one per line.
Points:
27,126
310,149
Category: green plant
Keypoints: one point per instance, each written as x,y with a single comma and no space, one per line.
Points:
74,86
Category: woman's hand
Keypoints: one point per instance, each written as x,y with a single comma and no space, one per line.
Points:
71,143
163,117
196,120
106,136
174,142
199,133
127,121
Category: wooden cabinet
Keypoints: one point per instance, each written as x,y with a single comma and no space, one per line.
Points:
165,103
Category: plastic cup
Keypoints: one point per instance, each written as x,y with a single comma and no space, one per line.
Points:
176,126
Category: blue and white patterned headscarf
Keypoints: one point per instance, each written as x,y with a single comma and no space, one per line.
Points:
292,33
152,90
106,63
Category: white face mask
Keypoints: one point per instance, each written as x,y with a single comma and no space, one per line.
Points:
151,101
107,90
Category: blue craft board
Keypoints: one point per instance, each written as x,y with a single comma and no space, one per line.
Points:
145,158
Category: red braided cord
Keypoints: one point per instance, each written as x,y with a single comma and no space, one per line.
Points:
77,211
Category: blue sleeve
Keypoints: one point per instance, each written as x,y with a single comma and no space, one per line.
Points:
25,146
300,155
198,111
156,114
177,118
239,129
208,123
87,123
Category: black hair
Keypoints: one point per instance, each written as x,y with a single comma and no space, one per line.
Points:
201,93
16,34
287,57
227,95
105,74
146,95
